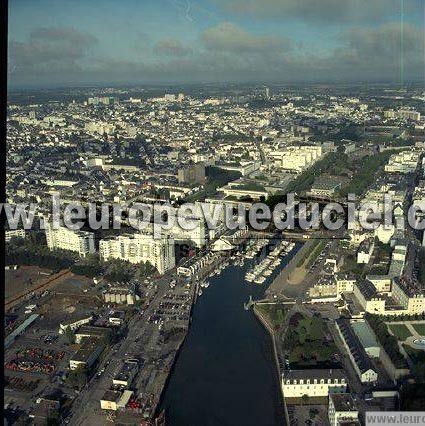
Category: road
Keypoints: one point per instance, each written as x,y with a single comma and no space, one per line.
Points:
138,342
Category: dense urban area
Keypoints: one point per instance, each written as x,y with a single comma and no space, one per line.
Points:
96,318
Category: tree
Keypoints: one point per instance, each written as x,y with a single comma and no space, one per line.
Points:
78,378
418,372
119,270
313,413
145,269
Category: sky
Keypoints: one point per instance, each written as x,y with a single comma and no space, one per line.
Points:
71,42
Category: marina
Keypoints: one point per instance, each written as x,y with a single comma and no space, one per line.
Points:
225,371
261,271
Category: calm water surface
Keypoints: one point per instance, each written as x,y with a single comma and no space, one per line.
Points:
225,373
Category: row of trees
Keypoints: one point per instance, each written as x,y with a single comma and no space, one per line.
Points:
332,163
388,341
365,176
31,251
112,270
421,263
26,252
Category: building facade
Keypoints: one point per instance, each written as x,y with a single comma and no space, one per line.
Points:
313,383
137,248
81,242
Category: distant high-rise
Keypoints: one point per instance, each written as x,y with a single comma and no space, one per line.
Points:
192,174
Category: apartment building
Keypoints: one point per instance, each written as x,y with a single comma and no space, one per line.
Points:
81,242
14,233
296,158
403,162
141,247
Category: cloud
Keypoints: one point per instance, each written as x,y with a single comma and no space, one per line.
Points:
63,35
380,52
225,52
231,38
332,11
49,50
171,47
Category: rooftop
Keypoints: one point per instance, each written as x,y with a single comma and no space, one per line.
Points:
315,374
87,348
111,395
343,402
357,350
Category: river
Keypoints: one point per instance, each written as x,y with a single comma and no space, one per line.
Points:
225,373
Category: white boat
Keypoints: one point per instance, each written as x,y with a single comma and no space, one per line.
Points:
200,292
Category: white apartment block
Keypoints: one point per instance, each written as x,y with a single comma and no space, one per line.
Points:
81,242
297,158
408,114
313,383
403,162
197,235
197,232
14,233
137,248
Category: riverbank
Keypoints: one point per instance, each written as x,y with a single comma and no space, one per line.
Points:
277,362
224,372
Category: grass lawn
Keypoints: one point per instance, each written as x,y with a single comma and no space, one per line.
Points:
420,328
274,313
401,331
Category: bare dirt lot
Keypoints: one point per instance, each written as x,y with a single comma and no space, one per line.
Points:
73,297
23,279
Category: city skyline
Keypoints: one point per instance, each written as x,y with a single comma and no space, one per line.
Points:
214,212
71,43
